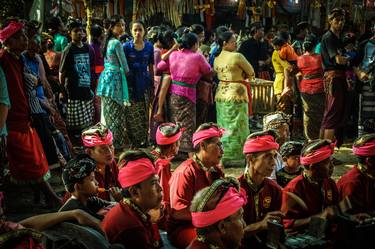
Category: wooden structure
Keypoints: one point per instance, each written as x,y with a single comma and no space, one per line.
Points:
262,96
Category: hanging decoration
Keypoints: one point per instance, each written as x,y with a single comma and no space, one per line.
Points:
316,4
271,4
241,11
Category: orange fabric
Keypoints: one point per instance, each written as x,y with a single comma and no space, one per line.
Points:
287,53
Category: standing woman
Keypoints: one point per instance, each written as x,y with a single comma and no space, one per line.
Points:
140,56
311,88
232,95
112,86
187,66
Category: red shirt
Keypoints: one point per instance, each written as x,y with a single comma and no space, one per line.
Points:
123,225
186,181
360,190
260,202
163,168
19,114
195,244
109,180
310,65
316,198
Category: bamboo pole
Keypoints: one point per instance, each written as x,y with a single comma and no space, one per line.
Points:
89,13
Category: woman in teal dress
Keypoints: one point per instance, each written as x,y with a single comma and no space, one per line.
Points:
112,86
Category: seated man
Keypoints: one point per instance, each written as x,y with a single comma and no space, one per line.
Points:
168,141
264,195
191,176
316,192
359,183
217,215
79,180
128,223
98,143
279,122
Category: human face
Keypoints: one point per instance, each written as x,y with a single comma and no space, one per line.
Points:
283,134
234,230
119,28
322,170
33,46
89,185
264,163
201,37
212,152
18,41
102,154
150,193
259,33
370,165
76,34
292,162
337,23
231,45
138,31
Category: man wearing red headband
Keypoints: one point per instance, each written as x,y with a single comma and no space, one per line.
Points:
191,176
358,183
98,143
27,161
217,215
128,223
168,141
314,189
264,195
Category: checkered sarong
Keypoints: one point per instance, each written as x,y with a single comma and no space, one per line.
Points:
80,113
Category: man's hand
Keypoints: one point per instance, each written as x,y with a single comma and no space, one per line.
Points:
329,212
116,193
341,60
272,216
287,91
86,219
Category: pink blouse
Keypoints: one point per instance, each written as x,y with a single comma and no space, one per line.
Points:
187,67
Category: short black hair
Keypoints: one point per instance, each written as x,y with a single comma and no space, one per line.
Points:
76,170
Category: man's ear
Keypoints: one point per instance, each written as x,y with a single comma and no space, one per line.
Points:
134,192
221,227
77,187
203,145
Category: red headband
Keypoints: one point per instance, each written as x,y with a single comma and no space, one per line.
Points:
368,149
318,155
202,135
231,202
136,172
95,139
11,29
164,140
261,143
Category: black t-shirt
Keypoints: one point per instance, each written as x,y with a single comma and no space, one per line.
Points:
283,177
94,204
254,51
330,47
76,64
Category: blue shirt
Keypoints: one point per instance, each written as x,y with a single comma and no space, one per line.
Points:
4,98
139,79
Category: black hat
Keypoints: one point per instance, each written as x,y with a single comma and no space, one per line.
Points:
291,148
76,170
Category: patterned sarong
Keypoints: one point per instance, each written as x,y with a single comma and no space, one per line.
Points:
80,114
313,110
182,110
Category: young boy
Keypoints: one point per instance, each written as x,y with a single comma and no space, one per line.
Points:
290,151
98,142
168,140
79,180
76,71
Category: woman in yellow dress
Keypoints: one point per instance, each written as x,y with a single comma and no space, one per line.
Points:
231,98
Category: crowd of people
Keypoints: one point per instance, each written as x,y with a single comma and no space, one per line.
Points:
72,102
